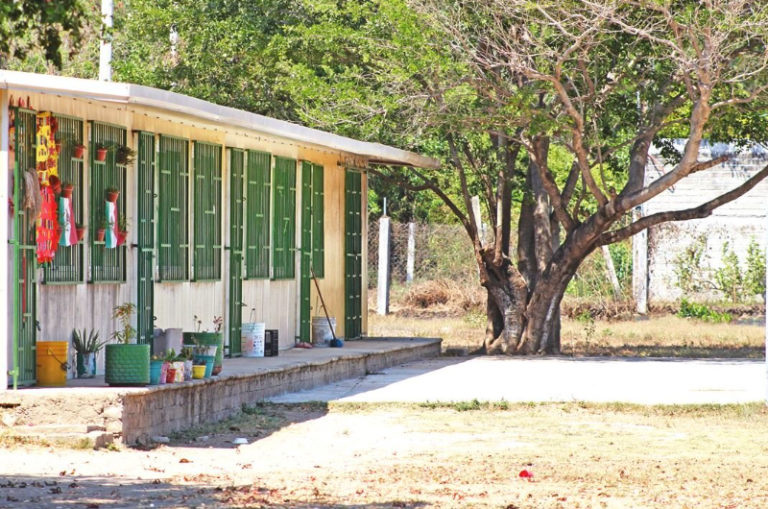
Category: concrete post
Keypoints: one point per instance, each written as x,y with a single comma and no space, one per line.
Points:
105,47
411,261
640,266
382,290
5,246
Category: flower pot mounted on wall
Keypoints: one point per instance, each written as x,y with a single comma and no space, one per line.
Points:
111,195
101,154
79,151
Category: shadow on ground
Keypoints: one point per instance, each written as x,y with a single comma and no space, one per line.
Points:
31,492
252,424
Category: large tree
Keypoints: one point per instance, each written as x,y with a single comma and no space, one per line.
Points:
554,103
500,87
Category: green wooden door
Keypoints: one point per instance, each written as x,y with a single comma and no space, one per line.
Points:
353,267
237,168
25,302
146,237
306,251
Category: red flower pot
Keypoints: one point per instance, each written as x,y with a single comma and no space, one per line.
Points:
80,151
101,154
111,196
80,233
66,190
100,234
170,376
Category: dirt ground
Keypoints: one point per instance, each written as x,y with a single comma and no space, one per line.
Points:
381,456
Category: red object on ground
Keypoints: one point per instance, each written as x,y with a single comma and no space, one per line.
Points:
525,474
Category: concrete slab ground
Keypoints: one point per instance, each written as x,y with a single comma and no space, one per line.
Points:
644,381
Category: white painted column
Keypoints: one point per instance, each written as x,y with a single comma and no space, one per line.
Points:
6,330
766,313
640,266
411,260
382,289
105,47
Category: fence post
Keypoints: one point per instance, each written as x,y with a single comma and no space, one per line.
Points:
382,289
411,260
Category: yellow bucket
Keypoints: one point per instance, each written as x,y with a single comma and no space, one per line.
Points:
52,363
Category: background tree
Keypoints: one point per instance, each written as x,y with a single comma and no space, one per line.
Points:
555,104
42,31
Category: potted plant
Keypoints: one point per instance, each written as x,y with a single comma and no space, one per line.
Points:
79,151
156,370
208,338
101,152
204,356
170,373
124,155
66,189
186,356
111,194
127,363
102,230
81,232
86,345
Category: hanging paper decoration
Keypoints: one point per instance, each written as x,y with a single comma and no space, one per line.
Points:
69,235
48,230
47,156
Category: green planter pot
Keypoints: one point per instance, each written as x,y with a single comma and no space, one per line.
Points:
208,338
126,364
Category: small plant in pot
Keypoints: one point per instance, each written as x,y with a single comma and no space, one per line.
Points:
186,356
156,370
66,189
124,155
170,359
111,194
205,337
101,232
203,356
101,152
79,151
127,363
86,345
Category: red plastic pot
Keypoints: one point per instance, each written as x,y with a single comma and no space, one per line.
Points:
111,196
100,234
66,190
101,154
80,151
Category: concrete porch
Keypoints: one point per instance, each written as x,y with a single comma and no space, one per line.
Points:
89,408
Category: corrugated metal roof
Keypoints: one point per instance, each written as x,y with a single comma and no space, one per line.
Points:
126,93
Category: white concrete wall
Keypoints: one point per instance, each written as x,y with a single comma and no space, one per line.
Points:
737,223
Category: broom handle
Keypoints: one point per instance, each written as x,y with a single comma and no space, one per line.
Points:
322,301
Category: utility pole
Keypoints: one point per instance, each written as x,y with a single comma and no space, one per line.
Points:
105,48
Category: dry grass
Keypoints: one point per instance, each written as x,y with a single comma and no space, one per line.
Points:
581,456
657,336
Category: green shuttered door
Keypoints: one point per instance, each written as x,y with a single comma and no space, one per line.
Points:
145,190
353,322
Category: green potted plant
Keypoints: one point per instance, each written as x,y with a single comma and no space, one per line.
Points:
124,155
186,357
101,232
86,345
111,194
205,337
170,371
101,152
127,363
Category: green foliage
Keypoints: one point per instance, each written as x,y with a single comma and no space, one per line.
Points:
687,266
41,29
754,276
86,341
123,314
728,278
702,312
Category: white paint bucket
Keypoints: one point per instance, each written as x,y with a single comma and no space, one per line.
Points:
252,339
321,332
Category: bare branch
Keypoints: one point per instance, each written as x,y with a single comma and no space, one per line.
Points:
699,212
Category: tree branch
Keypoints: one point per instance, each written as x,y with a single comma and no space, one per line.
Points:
703,210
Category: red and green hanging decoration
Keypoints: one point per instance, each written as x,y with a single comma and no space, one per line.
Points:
48,230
